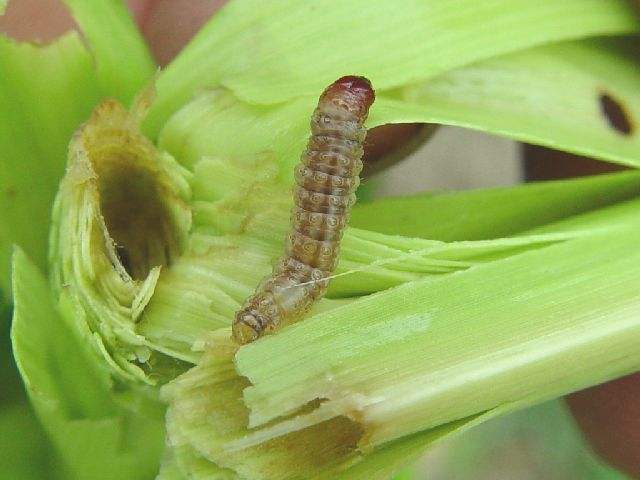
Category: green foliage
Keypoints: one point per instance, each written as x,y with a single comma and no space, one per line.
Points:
444,304
38,115
270,53
46,92
499,212
122,62
101,430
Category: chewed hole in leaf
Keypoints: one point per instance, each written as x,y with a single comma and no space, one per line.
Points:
615,113
290,447
135,213
122,213
134,193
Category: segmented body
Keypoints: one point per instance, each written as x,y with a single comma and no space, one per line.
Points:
326,180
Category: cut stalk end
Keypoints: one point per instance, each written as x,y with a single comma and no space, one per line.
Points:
120,216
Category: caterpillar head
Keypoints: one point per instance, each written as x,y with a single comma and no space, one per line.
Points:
352,93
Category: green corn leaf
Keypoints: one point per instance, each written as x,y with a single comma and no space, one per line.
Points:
24,450
491,213
495,295
123,62
101,431
538,108
45,93
38,114
573,96
270,53
416,357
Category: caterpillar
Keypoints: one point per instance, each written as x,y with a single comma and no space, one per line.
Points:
326,179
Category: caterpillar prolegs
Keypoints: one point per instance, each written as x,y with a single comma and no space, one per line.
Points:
326,179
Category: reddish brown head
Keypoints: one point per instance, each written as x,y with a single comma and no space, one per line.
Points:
352,93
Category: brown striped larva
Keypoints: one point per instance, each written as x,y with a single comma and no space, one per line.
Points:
326,179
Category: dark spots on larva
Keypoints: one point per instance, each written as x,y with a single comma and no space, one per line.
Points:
615,114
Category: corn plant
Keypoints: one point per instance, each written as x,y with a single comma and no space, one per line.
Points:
141,207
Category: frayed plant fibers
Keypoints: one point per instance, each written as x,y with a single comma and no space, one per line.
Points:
120,217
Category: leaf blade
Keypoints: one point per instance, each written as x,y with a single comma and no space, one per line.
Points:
99,433
123,61
38,114
254,50
553,95
565,294
493,213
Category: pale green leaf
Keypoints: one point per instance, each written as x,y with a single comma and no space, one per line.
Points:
547,95
491,213
100,432
269,52
553,95
45,93
490,335
123,62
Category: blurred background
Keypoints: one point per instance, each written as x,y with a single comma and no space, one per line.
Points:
453,159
